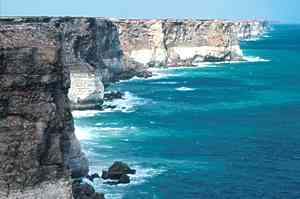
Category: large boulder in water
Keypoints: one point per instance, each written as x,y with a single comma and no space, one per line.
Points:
92,177
118,171
122,167
113,95
83,190
144,74
124,179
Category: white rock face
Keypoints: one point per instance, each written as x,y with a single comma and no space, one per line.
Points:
183,53
84,85
143,56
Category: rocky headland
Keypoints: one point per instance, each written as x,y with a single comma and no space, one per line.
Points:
49,65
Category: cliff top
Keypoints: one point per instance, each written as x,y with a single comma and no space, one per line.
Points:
46,19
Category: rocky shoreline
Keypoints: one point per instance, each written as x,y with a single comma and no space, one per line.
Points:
49,65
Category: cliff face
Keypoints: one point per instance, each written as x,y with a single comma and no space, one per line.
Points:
37,141
178,42
92,51
100,51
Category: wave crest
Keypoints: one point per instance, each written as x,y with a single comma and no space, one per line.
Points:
184,89
127,104
255,59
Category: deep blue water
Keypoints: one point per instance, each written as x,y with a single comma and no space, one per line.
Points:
220,131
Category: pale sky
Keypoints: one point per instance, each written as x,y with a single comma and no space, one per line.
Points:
283,10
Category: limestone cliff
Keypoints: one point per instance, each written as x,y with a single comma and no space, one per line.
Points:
91,49
178,42
38,148
99,51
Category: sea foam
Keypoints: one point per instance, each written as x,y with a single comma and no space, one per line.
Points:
143,174
252,39
184,89
247,59
167,83
88,113
90,133
83,133
255,59
127,104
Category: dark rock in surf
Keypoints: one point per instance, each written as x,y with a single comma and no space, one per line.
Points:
92,177
118,171
121,167
144,74
82,190
124,179
113,95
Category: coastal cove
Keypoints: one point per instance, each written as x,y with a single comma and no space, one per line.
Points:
220,130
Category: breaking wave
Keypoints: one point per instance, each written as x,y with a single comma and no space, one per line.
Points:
127,104
167,83
184,89
255,59
90,133
88,113
252,39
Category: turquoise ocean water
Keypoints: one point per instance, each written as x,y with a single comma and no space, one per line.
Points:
218,131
